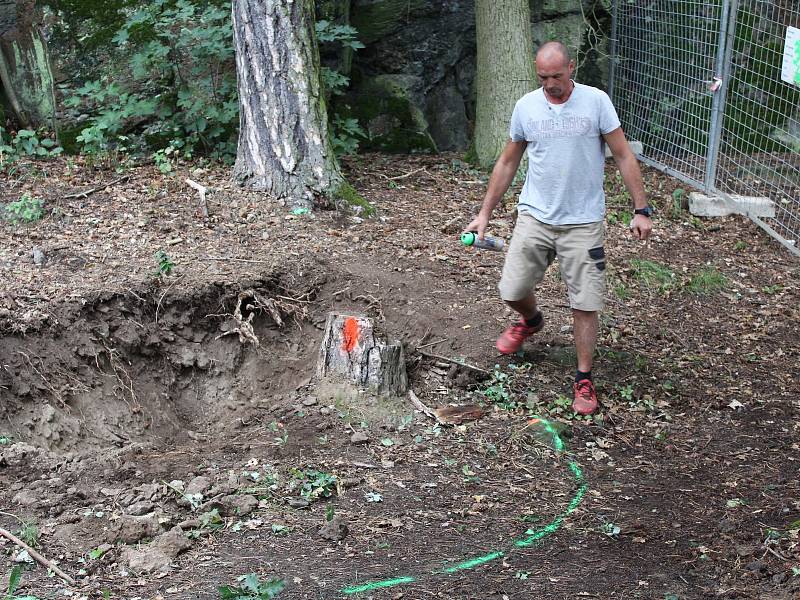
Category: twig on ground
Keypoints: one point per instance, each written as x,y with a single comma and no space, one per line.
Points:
409,174
229,258
432,343
420,406
454,361
36,556
201,191
91,191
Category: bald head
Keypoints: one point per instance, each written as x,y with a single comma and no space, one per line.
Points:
554,53
554,71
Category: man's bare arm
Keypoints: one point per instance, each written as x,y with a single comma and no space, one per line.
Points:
632,176
502,175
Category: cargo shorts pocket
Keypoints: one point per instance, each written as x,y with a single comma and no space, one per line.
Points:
598,255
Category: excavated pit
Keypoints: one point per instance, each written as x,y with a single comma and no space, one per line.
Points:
157,366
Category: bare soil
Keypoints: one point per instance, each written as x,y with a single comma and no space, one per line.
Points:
133,403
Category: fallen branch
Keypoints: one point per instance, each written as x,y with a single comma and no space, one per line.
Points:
91,191
432,343
244,260
201,191
454,361
36,556
395,178
418,404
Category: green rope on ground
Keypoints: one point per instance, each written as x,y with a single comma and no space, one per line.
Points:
532,536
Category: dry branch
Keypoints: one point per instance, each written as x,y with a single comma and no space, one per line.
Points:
201,192
36,556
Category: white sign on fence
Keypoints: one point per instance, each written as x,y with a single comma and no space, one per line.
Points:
791,57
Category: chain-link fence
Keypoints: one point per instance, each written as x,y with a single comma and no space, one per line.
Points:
711,89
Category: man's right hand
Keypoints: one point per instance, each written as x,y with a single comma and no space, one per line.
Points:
479,225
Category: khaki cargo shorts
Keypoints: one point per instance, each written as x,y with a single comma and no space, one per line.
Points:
581,258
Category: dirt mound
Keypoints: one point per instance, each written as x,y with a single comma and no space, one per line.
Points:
156,365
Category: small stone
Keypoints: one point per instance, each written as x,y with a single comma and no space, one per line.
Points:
350,482
334,530
324,410
240,505
743,550
359,437
298,503
310,401
756,566
137,509
38,256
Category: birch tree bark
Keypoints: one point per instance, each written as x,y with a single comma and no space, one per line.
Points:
26,77
505,71
284,147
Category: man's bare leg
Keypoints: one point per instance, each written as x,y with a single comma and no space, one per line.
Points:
525,307
585,326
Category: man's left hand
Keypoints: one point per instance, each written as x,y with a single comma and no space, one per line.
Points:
641,226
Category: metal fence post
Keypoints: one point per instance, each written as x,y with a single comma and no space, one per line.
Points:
720,80
612,67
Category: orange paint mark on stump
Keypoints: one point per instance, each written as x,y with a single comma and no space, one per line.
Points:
351,333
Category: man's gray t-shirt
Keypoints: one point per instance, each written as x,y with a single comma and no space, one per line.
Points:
564,185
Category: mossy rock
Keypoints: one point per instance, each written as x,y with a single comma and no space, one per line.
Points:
388,114
376,19
348,194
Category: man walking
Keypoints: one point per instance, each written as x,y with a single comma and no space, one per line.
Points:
562,125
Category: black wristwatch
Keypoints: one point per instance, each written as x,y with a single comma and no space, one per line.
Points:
646,211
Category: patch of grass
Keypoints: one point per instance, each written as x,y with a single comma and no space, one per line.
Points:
621,291
653,275
740,245
252,588
771,290
707,280
29,533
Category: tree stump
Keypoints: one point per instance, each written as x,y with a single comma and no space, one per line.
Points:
351,351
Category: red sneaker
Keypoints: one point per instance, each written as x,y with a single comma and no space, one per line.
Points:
512,338
585,402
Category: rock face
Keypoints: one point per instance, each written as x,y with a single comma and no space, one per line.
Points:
412,86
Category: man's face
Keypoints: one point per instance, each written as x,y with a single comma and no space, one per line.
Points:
554,76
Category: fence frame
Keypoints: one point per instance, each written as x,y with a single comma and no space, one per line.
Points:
716,124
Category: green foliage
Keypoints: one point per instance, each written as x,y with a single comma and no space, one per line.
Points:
676,206
345,135
13,584
313,484
758,101
25,210
175,85
707,280
653,275
252,588
164,264
25,142
496,391
29,533
345,35
345,131
210,521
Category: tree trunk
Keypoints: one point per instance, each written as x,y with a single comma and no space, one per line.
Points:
505,71
284,147
26,77
351,351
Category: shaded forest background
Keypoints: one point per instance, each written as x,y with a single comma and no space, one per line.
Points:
159,78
